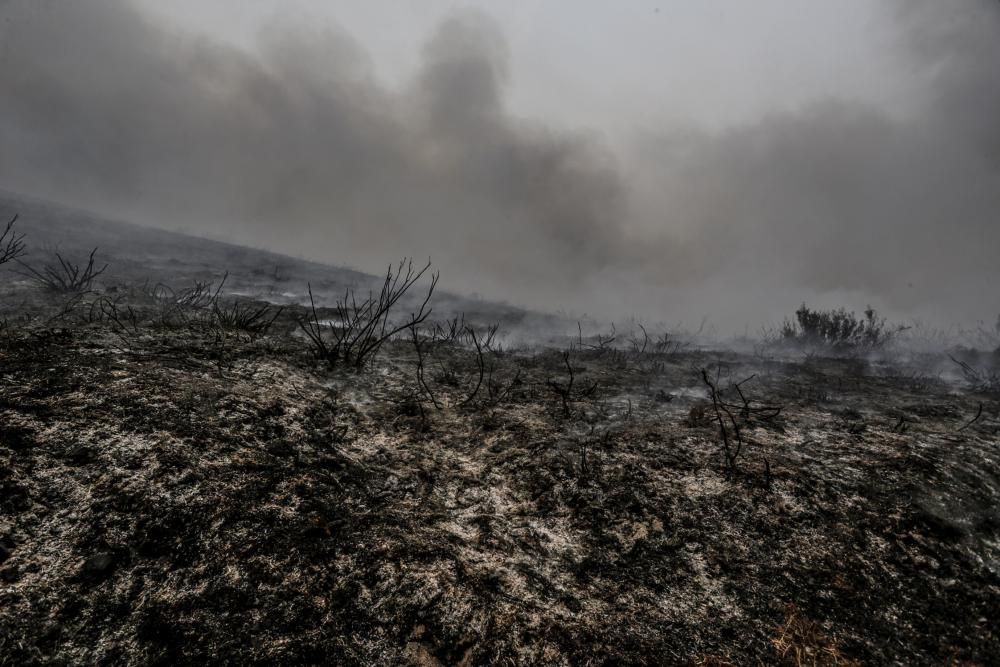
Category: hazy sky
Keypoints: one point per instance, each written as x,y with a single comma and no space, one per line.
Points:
710,62
673,159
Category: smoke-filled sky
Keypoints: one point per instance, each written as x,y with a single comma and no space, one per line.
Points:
674,159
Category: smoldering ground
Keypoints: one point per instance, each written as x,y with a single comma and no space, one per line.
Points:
299,147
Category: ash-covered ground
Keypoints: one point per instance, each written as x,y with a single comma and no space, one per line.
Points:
181,486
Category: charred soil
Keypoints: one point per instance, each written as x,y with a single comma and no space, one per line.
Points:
176,493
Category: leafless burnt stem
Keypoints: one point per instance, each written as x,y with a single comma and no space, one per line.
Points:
732,445
65,277
11,243
480,363
565,392
421,380
972,421
358,329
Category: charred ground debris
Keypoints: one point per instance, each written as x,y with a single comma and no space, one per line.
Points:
187,475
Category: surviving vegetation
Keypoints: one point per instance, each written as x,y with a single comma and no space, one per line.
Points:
839,329
193,474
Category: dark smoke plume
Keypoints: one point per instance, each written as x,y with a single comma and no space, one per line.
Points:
840,198
299,148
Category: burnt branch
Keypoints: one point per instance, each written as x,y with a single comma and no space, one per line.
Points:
358,328
565,391
480,364
421,379
65,277
732,444
11,243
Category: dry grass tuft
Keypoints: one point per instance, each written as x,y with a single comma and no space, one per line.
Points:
802,643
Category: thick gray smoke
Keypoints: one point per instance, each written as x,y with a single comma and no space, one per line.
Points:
297,147
841,200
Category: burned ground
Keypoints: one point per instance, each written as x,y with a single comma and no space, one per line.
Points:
177,492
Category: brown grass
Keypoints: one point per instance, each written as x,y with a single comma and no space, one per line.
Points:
801,642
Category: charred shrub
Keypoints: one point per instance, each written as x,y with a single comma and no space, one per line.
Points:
65,276
469,361
251,318
566,391
980,379
357,327
11,243
733,418
186,307
839,329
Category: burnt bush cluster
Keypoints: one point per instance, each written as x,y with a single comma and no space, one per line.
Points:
75,294
357,327
839,329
